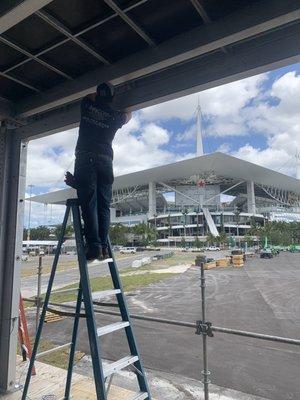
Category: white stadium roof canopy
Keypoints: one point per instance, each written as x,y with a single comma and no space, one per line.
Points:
222,165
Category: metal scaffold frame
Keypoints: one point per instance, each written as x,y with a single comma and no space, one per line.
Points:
13,158
203,327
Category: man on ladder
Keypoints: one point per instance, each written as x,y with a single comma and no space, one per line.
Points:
93,174
93,180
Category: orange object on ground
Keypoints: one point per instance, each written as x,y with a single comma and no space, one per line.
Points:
23,334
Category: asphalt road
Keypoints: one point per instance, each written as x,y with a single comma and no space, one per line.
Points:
263,297
69,276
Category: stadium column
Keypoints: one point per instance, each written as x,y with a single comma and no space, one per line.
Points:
13,155
251,206
152,199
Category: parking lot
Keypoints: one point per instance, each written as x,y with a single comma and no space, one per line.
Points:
262,297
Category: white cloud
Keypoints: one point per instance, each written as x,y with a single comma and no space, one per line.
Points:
221,106
140,146
279,121
277,159
188,135
224,148
49,157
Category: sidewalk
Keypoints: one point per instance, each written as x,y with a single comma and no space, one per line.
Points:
50,380
166,386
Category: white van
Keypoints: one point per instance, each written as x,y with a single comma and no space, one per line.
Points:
128,250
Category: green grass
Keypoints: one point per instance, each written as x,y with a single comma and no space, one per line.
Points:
25,272
64,265
177,259
130,277
59,358
129,282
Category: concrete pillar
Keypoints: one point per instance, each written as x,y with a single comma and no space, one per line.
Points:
152,199
13,155
251,206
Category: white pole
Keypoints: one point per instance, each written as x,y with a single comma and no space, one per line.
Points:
199,131
29,216
298,164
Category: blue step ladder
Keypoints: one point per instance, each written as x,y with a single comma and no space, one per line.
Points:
101,373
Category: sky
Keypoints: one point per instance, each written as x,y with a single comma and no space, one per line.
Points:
256,119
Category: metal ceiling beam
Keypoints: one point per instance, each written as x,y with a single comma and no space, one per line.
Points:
65,31
55,121
201,11
280,49
255,20
204,15
77,34
20,12
31,56
20,82
194,76
130,22
112,16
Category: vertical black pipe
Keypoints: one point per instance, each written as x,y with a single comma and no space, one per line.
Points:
205,371
39,291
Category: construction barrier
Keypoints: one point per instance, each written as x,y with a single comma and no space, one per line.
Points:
238,260
223,262
136,264
210,265
140,263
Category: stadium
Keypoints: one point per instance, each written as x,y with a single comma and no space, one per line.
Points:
197,197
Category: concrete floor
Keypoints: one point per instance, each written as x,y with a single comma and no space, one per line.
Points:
263,297
49,382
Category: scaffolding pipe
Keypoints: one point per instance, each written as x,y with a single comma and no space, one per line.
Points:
205,372
39,291
183,324
46,352
254,335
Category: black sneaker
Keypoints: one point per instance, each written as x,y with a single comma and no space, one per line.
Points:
92,254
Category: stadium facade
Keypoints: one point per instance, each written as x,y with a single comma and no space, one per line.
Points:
196,197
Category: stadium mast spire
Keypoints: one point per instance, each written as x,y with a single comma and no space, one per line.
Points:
297,155
199,151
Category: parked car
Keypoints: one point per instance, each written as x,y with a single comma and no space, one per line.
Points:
128,250
24,257
266,253
213,248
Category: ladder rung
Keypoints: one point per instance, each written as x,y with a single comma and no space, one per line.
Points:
140,396
105,293
112,328
46,352
119,365
97,262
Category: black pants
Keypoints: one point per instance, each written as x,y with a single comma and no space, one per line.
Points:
94,179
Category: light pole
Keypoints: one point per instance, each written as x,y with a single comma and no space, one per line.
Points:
29,214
